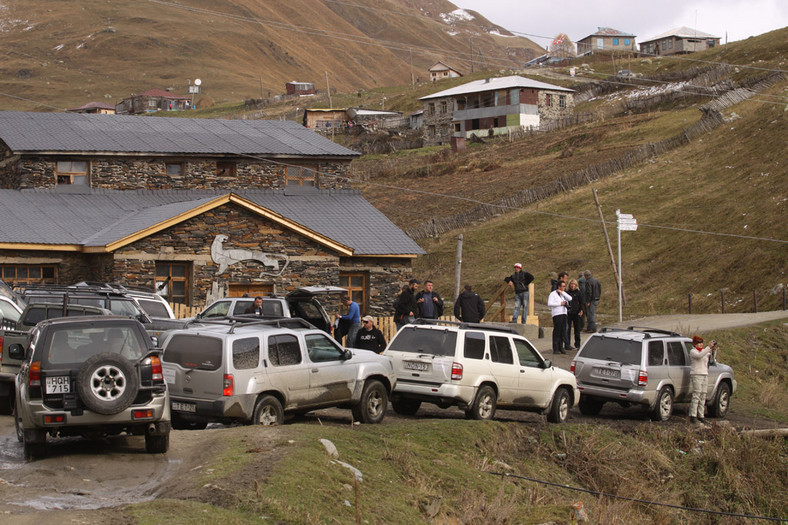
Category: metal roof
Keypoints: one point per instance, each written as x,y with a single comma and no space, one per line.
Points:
98,217
491,84
608,31
87,133
681,32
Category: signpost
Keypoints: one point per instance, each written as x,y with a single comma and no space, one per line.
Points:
627,223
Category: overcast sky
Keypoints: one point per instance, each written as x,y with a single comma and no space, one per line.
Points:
580,18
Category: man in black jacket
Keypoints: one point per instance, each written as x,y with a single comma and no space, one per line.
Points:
430,303
519,281
593,294
405,306
469,307
370,337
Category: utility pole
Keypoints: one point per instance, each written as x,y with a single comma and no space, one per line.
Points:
470,41
261,87
328,90
609,248
458,267
412,78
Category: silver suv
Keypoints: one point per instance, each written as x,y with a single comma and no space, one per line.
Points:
254,371
90,376
477,367
645,367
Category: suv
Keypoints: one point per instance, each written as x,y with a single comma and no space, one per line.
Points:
94,375
477,367
253,371
646,367
152,303
301,302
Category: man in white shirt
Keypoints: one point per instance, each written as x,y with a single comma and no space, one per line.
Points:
557,301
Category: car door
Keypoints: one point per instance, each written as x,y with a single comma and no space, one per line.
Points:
678,358
503,368
193,371
249,376
217,309
658,368
331,376
535,380
287,369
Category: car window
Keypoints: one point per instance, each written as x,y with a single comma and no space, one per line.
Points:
8,311
424,341
274,308
320,349
246,353
612,349
241,305
656,353
89,301
35,316
218,309
306,309
676,355
75,345
501,350
153,308
194,351
284,350
474,345
527,354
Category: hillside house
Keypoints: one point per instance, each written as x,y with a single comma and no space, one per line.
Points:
94,107
440,71
152,101
299,88
606,39
216,207
340,120
492,106
677,41
326,119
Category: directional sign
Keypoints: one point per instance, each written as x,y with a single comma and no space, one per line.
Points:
627,221
628,227
625,216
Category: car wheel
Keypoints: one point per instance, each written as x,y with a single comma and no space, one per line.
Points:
157,444
35,444
664,406
179,423
107,383
268,411
721,402
559,410
590,406
484,405
406,407
374,400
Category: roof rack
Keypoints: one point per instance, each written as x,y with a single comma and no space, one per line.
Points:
464,325
233,321
646,331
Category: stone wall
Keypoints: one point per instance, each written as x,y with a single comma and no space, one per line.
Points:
555,110
72,267
151,173
438,127
385,278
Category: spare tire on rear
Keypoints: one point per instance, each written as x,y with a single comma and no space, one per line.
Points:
107,383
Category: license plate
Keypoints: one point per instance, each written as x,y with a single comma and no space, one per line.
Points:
413,365
608,372
184,407
58,385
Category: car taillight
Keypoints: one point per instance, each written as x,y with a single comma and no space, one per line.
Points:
1,349
572,367
155,369
642,378
34,376
456,371
228,387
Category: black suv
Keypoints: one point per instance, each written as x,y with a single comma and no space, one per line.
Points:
90,376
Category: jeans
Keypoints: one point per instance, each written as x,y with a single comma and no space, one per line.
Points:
351,334
520,302
559,333
591,311
700,384
574,321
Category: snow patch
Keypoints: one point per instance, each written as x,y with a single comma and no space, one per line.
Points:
57,48
458,15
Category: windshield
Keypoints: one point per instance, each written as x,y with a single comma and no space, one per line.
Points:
76,344
610,349
424,341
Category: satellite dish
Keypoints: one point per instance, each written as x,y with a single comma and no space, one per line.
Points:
197,82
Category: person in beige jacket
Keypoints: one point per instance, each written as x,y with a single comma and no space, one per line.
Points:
699,376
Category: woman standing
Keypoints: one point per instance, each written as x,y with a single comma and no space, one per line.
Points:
574,313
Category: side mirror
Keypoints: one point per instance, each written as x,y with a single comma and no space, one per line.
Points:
155,340
346,354
547,363
16,351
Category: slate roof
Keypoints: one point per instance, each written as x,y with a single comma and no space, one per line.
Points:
681,32
609,31
88,133
97,217
491,84
94,105
161,93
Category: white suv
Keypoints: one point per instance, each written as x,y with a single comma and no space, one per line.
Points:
477,367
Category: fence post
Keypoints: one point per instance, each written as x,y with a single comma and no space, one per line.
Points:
785,297
689,301
722,299
755,300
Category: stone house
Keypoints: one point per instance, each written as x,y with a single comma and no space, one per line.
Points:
677,41
206,208
606,39
440,71
152,101
94,107
492,106
299,88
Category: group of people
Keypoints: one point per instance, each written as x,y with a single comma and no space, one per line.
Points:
428,304
573,303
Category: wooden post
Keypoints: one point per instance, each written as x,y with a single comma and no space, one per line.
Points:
722,299
503,308
689,301
458,267
609,248
328,90
755,300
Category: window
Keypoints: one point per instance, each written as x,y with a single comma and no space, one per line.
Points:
225,168
676,355
284,350
461,103
246,353
424,341
500,350
431,108
300,176
626,41
71,172
615,41
172,281
561,101
444,107
194,351
174,168
527,354
217,309
600,43
356,285
321,349
29,274
474,345
656,353
457,127
670,44
548,100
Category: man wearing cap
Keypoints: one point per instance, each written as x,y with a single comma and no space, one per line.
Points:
429,302
519,281
370,337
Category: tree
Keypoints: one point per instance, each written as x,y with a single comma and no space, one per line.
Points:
562,47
